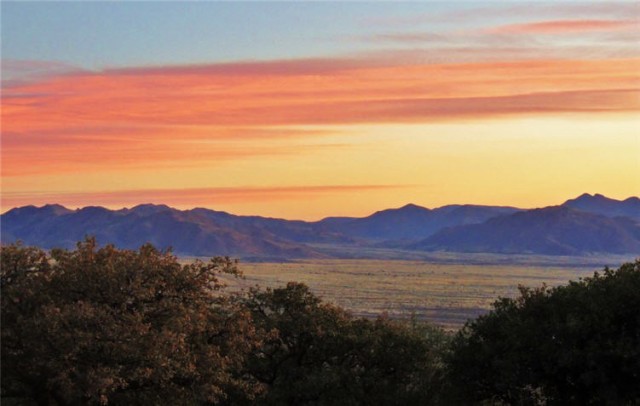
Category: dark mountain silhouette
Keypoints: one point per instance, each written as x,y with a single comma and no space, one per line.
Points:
293,230
583,225
411,222
193,232
600,204
556,230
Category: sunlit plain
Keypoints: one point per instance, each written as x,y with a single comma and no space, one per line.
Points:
444,294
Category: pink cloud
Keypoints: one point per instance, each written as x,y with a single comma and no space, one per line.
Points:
285,67
565,26
189,115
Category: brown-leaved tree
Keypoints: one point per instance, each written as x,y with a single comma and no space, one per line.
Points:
102,325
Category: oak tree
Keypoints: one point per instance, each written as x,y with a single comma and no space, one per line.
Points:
102,325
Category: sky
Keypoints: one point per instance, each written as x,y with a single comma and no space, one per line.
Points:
303,110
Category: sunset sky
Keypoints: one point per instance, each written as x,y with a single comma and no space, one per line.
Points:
312,109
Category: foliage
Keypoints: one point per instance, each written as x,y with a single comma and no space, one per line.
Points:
574,344
92,326
102,325
316,353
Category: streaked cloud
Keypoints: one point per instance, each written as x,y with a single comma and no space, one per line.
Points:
512,10
566,26
187,198
402,38
189,115
16,72
506,98
151,98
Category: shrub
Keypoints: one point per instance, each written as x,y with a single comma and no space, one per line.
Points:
574,344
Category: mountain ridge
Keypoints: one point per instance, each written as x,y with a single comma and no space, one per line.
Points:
553,230
597,203
207,232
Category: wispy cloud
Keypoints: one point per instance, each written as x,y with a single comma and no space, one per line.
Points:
513,10
566,26
402,38
188,115
17,72
186,198
79,155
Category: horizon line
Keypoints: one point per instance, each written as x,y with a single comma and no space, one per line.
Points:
115,208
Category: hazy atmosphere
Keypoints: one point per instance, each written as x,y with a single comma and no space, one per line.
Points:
306,110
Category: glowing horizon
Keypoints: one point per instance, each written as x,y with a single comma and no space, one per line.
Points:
523,110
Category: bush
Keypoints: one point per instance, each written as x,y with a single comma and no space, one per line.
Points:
574,344
316,353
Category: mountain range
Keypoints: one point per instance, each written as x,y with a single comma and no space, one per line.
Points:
588,224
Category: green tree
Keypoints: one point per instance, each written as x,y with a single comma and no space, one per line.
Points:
574,344
316,353
97,326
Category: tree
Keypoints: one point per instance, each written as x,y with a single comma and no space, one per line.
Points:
97,326
574,344
316,353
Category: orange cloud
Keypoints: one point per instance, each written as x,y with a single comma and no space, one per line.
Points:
26,154
187,115
186,198
566,26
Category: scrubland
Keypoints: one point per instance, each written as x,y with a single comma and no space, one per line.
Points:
446,294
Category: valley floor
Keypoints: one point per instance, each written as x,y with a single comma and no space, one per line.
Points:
440,291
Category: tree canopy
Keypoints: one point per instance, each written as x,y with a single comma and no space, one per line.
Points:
137,327
316,353
573,344
97,326
107,326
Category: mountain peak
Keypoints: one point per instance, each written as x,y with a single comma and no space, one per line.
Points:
55,209
553,230
587,198
407,209
93,210
411,206
149,208
601,204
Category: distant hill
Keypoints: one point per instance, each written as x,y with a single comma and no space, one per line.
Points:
586,224
557,230
600,204
412,222
193,232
